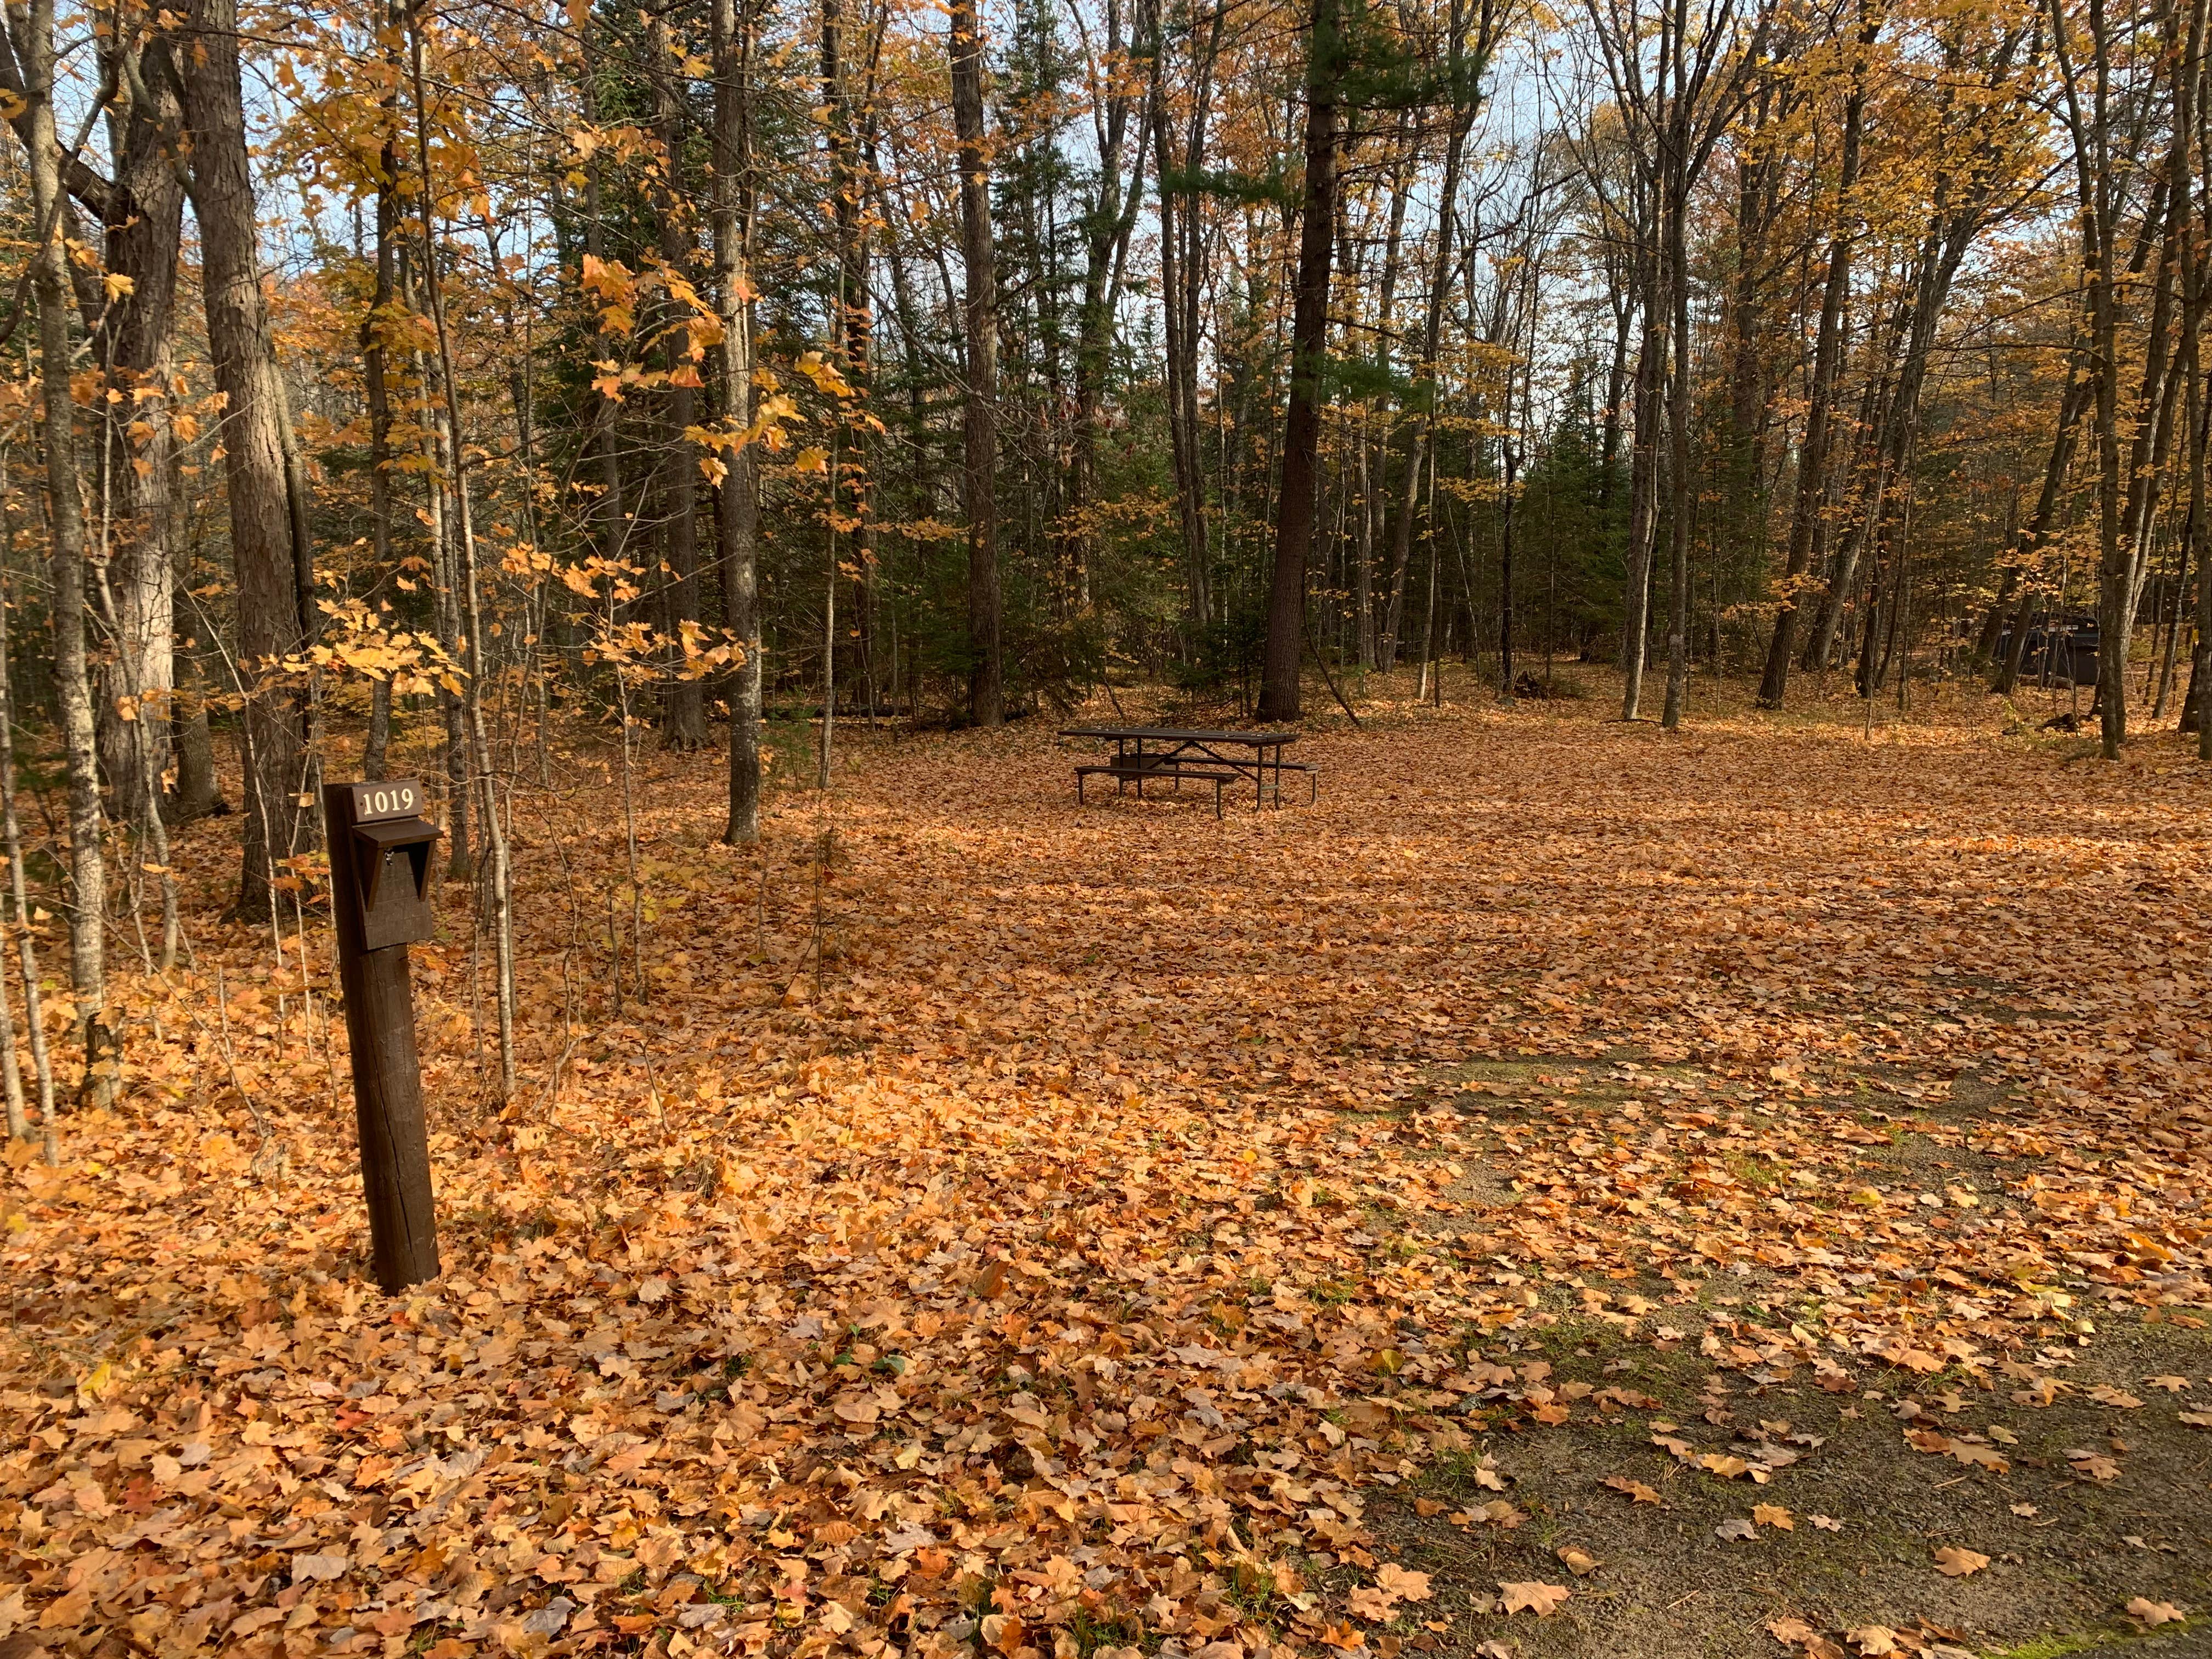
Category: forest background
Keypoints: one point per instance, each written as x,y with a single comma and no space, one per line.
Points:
424,379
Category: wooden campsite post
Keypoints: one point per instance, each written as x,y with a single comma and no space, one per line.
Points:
381,900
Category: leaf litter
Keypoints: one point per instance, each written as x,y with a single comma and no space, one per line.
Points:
1065,1245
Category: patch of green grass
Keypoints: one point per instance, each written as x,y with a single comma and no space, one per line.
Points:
1094,1631
1753,1171
1252,1588
2059,1643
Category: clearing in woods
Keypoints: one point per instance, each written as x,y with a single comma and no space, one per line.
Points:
1571,1191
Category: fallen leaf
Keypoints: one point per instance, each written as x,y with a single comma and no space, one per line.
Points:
1826,1523
1577,1560
1637,1490
1540,1599
2150,1614
1872,1640
1370,1603
1773,1515
1402,1582
1953,1562
1733,1530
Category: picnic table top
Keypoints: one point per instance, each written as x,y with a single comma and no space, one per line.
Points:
1252,739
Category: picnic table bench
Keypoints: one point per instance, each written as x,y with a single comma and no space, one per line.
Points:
1149,754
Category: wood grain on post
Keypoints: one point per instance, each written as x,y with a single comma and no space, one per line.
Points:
387,1076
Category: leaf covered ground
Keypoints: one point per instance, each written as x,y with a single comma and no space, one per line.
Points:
1566,1170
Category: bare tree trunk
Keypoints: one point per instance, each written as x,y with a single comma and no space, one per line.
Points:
2072,404
979,477
1470,59
1808,520
603,440
376,359
683,705
11,838
737,499
263,517
1182,284
1294,515
479,749
1675,252
1643,487
144,211
65,517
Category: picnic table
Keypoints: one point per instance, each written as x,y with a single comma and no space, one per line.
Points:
1145,754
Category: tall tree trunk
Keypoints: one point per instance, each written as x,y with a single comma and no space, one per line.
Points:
1644,478
1470,59
479,749
66,518
979,473
265,518
683,706
134,345
1110,218
376,373
1807,518
611,516
1181,285
737,500
1294,515
2036,531
1680,483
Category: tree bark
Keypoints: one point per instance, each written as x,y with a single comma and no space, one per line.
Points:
479,749
980,429
1807,518
1181,286
1294,514
88,916
684,704
737,500
265,519
135,345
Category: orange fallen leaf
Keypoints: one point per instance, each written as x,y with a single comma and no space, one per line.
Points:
1402,1582
1953,1562
1540,1599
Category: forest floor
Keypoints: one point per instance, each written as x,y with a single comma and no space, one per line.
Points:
1573,1191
